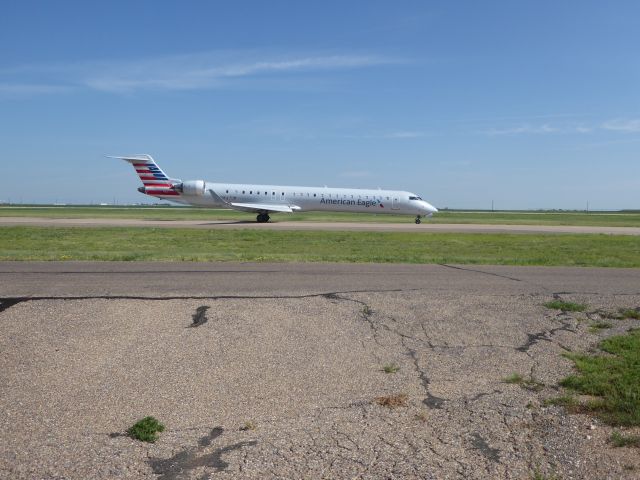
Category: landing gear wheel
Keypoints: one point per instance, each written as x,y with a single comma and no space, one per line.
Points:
418,220
262,218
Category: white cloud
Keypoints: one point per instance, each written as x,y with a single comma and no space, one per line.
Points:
399,135
623,125
524,129
191,72
405,134
528,129
178,72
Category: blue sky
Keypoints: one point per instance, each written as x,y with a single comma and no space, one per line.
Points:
527,104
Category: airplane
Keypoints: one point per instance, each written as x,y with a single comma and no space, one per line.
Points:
266,199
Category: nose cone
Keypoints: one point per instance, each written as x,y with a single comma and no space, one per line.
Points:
429,208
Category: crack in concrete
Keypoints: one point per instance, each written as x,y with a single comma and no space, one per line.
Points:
480,271
478,396
7,302
431,401
179,465
545,335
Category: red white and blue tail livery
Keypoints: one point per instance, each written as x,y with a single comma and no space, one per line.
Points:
265,199
155,181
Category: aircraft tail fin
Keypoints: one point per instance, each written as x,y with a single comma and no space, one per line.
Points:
148,170
155,181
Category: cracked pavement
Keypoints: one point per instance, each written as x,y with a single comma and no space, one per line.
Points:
279,378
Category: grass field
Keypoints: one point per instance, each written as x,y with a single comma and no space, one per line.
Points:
610,219
166,244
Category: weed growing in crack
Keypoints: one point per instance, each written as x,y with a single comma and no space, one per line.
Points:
390,368
621,314
392,401
249,425
629,313
569,402
526,383
538,475
146,430
597,326
566,306
620,440
367,311
514,378
422,416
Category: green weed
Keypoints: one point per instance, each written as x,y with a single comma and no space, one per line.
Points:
620,440
566,306
597,326
629,313
390,368
526,383
146,430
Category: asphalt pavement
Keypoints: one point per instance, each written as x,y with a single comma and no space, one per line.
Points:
278,370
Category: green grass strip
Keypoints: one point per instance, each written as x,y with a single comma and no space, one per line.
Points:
169,244
614,380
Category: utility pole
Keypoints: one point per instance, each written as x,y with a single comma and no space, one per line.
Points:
492,205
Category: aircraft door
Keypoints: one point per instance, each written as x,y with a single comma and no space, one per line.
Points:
395,203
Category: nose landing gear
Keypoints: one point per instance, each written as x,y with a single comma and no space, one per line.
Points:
417,219
262,218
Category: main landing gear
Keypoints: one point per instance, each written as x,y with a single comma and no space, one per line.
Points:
417,219
262,218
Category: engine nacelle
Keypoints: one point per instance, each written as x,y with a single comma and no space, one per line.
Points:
192,188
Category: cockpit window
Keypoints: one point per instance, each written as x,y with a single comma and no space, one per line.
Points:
415,198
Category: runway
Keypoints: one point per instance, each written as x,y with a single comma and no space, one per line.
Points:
278,370
409,226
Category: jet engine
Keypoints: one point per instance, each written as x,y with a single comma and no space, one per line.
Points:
191,187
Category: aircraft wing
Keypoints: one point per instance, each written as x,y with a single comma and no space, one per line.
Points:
263,207
255,207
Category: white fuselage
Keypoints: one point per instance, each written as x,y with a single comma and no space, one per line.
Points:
311,198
